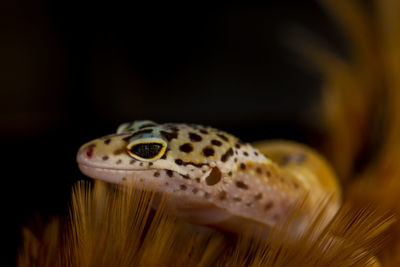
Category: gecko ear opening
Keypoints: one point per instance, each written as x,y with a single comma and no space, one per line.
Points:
214,176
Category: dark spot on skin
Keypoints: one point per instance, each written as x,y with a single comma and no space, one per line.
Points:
169,136
107,141
242,185
197,180
255,153
141,180
141,164
118,161
181,162
230,173
227,155
223,137
237,146
187,148
165,153
195,137
150,163
208,151
216,142
118,151
268,206
169,173
105,158
268,173
235,160
222,195
137,133
258,196
214,177
166,183
183,187
124,178
237,199
185,176
156,174
296,185
258,170
207,195
203,131
282,179
245,153
195,190
132,161
242,166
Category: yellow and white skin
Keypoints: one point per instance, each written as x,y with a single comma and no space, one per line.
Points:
211,178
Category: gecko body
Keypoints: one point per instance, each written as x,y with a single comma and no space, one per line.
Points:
210,177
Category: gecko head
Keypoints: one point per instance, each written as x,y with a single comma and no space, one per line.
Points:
190,163
145,146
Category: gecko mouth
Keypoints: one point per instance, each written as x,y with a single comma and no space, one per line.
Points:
102,168
139,179
113,175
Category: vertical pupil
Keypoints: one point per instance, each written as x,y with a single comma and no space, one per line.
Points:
146,151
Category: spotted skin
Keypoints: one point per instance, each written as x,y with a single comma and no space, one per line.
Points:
209,176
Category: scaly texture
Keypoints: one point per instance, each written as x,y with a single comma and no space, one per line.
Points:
211,177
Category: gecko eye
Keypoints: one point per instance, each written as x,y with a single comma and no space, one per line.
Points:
146,151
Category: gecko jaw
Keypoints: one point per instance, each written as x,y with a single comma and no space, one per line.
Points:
112,175
120,176
139,178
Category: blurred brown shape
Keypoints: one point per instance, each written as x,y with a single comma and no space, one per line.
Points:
361,104
352,90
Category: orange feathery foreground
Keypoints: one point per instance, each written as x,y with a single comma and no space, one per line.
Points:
111,227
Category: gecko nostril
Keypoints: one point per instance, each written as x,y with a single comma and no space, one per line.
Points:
89,152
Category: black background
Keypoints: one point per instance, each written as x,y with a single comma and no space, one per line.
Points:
73,71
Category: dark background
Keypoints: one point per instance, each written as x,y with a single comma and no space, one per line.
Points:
73,71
